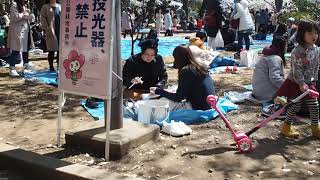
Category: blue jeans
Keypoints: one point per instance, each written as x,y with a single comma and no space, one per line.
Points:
15,58
246,39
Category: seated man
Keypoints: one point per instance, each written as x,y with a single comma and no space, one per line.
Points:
146,69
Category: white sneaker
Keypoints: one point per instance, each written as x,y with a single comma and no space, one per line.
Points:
172,129
13,73
186,128
28,68
181,125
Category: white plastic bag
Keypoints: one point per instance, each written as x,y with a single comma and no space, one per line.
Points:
151,111
218,42
249,58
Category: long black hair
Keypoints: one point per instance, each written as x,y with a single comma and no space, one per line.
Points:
303,27
183,58
279,43
20,4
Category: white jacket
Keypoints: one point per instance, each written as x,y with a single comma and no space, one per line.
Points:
19,29
168,21
243,13
203,56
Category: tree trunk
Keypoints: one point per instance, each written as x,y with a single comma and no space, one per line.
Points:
279,4
185,6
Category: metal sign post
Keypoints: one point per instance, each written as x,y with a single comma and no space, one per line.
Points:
107,104
60,104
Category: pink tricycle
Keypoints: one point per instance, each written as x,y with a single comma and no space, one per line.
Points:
242,140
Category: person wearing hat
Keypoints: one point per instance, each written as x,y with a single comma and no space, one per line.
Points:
146,69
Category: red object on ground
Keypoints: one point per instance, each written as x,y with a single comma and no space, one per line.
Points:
228,70
235,68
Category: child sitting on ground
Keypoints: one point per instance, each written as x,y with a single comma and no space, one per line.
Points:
303,76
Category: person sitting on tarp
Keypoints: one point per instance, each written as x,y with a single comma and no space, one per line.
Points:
261,34
270,28
202,35
268,74
194,83
228,34
223,61
207,57
146,69
151,35
200,53
281,30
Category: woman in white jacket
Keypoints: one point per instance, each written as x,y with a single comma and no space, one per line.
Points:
246,24
20,37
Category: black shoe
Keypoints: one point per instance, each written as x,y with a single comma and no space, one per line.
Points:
91,103
237,55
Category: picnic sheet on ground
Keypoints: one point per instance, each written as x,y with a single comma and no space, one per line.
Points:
222,69
97,113
186,116
45,77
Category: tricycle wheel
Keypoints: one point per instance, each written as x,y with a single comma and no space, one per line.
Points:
244,145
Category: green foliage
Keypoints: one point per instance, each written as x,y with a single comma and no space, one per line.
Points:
297,16
306,5
303,10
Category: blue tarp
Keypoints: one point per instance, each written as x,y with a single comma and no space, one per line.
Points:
45,77
200,116
186,116
97,113
268,40
165,47
248,87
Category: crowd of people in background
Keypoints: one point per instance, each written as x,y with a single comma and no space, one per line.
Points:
238,24
24,31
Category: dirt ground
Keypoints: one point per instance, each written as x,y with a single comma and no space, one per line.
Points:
28,113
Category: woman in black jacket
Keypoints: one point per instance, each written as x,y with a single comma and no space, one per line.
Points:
146,69
194,83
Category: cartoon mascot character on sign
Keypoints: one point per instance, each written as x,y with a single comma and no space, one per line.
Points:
73,66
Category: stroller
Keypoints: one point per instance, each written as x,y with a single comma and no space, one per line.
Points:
244,144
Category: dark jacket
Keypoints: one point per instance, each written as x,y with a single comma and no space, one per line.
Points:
193,87
213,18
153,74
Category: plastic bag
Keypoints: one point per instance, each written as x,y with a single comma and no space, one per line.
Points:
219,40
248,58
237,97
